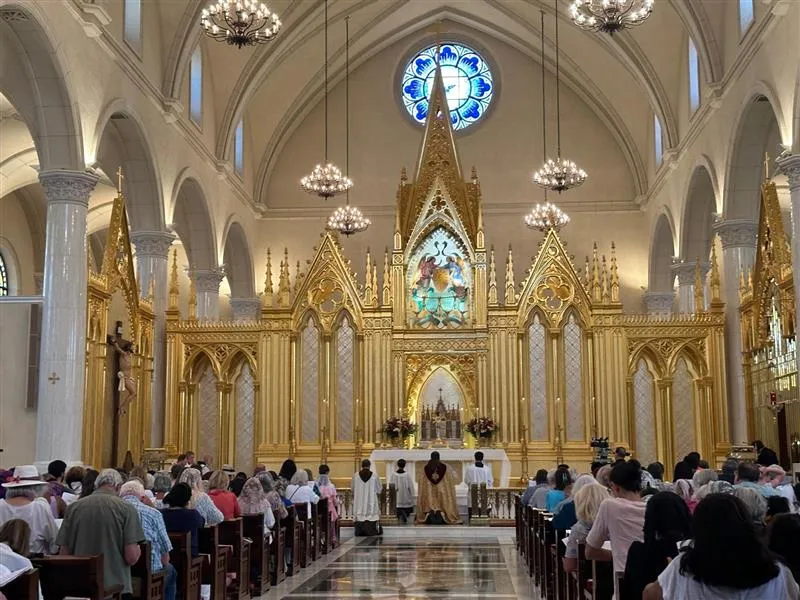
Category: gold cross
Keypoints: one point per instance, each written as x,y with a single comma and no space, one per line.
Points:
53,378
120,177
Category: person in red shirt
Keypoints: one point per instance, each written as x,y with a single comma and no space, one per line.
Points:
224,500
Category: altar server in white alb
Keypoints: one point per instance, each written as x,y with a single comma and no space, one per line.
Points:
478,473
366,487
406,496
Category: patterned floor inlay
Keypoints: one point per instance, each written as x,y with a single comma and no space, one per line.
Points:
416,563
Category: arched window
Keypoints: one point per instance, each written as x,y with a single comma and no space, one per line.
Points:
238,148
683,409
658,142
132,24
537,379
345,381
644,413
746,15
309,385
4,284
468,83
694,78
196,86
573,378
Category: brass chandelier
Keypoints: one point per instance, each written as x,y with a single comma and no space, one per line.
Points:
240,22
326,180
610,16
545,216
558,174
347,219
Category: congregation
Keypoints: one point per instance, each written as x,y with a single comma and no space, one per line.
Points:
727,534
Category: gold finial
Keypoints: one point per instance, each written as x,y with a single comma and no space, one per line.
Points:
174,290
699,296
403,176
151,291
192,297
604,291
715,279
387,278
492,279
297,277
368,279
374,283
284,281
474,175
614,275
511,295
766,167
597,294
120,177
587,278
268,289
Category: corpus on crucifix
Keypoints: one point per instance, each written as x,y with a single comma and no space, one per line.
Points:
126,386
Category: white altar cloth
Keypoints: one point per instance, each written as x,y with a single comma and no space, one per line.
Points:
385,462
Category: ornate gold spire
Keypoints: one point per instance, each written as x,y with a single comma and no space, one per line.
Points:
511,294
368,290
268,289
387,278
297,277
587,278
597,293
492,279
284,281
614,275
192,298
174,290
716,298
604,293
699,296
374,283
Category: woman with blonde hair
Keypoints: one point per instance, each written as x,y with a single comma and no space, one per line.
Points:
587,502
201,501
223,499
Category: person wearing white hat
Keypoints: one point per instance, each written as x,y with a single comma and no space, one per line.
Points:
23,501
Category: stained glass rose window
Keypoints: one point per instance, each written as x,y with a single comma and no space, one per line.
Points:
468,83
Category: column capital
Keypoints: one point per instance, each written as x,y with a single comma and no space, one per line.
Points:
790,166
737,233
684,270
659,302
246,309
208,280
152,243
68,187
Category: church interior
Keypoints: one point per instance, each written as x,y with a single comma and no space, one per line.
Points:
338,230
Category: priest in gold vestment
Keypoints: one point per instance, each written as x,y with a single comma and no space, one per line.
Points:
436,502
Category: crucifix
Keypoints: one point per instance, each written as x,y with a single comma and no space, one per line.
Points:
53,379
439,419
120,177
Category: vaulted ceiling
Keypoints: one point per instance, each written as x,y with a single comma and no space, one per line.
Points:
624,78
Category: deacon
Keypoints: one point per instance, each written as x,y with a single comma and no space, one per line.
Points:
436,503
478,473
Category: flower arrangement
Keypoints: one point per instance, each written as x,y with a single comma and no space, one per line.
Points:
398,427
481,427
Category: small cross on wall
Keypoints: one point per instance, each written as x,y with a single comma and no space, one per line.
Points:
53,378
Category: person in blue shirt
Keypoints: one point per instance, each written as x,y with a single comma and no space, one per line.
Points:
179,518
554,497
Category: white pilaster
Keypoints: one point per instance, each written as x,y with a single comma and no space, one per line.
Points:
207,283
246,309
738,254
659,303
59,415
684,271
152,253
790,166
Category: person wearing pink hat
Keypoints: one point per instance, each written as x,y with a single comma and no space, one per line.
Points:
23,501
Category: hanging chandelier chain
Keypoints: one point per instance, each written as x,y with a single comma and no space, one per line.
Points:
544,99
558,88
347,99
326,80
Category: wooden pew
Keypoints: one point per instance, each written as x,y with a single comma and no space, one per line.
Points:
559,575
189,569
278,567
215,561
232,534
24,587
325,525
80,576
147,585
581,576
292,539
306,534
319,531
254,529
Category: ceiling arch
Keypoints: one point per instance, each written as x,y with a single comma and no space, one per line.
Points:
662,251
193,225
698,216
238,262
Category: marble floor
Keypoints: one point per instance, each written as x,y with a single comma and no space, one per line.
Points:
414,563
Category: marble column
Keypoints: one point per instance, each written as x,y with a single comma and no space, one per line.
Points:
659,303
684,271
738,254
246,309
790,166
207,283
152,253
62,358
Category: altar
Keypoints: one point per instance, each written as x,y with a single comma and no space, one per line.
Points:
384,462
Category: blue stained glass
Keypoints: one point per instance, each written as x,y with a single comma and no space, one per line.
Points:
468,83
